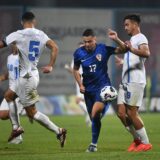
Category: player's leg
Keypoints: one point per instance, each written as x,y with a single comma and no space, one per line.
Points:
139,129
133,101
96,121
89,101
4,115
122,115
4,110
10,96
29,96
46,122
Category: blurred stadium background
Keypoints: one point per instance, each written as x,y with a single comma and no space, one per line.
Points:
64,21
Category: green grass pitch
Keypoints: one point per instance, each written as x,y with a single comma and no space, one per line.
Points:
41,144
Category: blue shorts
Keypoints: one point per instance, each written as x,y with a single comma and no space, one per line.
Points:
91,98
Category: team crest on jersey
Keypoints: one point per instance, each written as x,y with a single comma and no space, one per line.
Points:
99,57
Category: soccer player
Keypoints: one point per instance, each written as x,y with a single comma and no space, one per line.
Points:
133,82
93,58
12,75
30,43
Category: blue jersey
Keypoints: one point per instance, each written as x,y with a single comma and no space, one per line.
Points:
94,66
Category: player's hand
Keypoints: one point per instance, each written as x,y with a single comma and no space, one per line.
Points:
82,89
47,69
112,34
128,45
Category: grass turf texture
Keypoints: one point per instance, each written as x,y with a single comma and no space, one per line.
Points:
40,144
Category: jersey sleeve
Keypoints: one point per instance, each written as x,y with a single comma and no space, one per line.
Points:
142,40
12,38
76,58
110,50
45,38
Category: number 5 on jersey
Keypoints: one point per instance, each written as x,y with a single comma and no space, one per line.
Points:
33,50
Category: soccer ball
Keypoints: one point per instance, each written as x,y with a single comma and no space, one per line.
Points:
108,93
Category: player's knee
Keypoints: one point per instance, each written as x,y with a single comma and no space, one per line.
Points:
121,115
31,111
8,98
131,115
4,115
95,116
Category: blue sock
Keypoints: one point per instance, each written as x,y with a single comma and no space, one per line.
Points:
96,127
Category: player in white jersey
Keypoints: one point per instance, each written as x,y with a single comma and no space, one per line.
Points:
12,75
79,95
31,43
133,82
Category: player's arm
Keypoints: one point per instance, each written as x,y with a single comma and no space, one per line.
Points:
142,51
122,47
53,55
78,78
4,77
3,44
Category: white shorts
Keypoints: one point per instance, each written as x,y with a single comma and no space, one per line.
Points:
27,89
13,85
131,94
4,105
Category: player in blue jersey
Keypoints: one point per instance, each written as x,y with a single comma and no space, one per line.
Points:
93,58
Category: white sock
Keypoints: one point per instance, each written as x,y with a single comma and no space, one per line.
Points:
132,130
83,106
45,121
143,135
13,114
94,144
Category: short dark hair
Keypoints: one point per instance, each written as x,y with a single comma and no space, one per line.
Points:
28,16
133,17
88,32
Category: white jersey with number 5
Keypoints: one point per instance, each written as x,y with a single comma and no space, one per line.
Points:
30,43
133,67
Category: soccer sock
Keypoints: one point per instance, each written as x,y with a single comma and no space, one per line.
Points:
16,107
13,114
96,127
83,106
143,135
45,121
132,130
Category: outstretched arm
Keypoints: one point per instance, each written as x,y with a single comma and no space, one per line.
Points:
122,47
53,55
